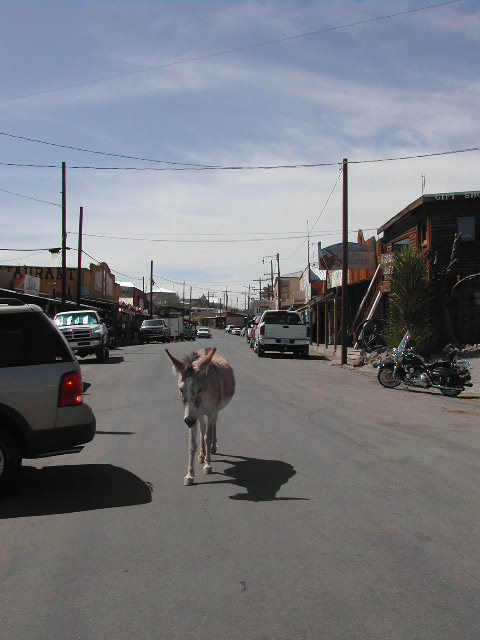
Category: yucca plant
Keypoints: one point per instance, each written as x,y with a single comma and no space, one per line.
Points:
410,301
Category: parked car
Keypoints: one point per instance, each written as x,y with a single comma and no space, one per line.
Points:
189,332
229,328
253,329
42,412
85,333
203,332
237,331
282,331
154,330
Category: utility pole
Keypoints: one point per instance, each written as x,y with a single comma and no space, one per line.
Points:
64,237
279,283
308,254
345,262
271,277
151,288
79,261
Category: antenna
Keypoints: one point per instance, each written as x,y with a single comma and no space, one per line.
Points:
423,183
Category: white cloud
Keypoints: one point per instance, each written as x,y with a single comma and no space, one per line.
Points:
363,93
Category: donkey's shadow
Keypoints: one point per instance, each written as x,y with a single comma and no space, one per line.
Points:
262,479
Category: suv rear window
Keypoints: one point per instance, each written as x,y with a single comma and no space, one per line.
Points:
30,339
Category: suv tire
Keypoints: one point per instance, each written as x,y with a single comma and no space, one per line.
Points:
10,460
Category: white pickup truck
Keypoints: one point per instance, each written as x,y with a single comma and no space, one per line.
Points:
85,333
282,331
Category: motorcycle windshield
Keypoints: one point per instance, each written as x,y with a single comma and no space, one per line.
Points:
403,344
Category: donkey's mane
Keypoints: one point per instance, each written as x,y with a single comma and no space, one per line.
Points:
189,360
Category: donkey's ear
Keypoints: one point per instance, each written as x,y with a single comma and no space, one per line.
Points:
205,360
178,364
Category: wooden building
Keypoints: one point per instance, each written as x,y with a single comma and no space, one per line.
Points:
431,223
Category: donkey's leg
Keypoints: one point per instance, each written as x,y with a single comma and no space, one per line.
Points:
202,426
214,435
192,449
212,421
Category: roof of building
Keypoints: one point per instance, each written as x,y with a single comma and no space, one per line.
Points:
160,290
316,274
430,197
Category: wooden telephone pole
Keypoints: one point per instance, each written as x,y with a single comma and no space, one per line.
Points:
79,260
345,263
64,237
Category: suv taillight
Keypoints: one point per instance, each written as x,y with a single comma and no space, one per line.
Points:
71,390
308,330
262,329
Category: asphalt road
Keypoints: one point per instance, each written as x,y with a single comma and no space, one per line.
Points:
337,509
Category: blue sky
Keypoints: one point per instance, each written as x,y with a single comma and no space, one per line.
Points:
189,85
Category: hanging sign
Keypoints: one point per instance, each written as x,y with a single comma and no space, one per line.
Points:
359,257
31,285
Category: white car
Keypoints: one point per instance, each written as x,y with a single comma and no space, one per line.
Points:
204,333
237,331
229,328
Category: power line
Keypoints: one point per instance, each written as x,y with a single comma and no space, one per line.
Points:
245,167
318,218
20,195
102,153
229,51
206,240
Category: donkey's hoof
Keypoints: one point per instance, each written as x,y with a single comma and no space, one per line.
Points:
214,448
187,481
201,458
207,470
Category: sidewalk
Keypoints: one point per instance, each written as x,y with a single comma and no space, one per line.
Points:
353,355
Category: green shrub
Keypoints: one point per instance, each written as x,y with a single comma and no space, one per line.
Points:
410,301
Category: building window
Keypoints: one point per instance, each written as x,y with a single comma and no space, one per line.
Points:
423,236
401,244
466,227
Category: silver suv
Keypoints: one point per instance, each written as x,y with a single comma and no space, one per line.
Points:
42,412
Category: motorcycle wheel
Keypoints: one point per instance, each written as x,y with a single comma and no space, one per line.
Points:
451,393
386,379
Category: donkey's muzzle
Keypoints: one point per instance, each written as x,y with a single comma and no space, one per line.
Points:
190,422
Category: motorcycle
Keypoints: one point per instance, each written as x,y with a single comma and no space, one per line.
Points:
410,368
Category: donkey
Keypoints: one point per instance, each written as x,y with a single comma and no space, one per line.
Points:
206,385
